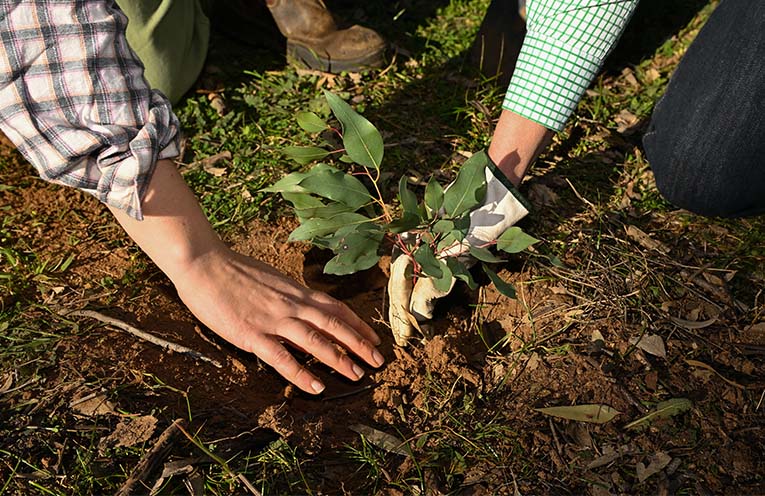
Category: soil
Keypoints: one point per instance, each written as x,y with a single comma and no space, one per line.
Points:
550,359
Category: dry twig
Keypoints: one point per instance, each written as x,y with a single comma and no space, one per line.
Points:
124,326
151,459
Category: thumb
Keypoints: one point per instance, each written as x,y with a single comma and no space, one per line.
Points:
424,298
399,292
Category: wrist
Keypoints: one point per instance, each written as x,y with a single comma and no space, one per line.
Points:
516,143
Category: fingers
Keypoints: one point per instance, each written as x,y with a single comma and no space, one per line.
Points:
277,356
332,325
313,341
333,306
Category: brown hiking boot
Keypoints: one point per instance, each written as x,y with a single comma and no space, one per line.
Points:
314,40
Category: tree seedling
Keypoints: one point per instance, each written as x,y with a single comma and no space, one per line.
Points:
337,210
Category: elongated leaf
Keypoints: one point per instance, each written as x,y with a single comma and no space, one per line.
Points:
503,287
514,240
311,122
313,228
663,410
383,440
407,198
363,142
303,200
288,184
406,223
596,414
484,255
355,250
324,211
461,272
434,197
305,154
328,182
469,188
444,283
428,261
442,226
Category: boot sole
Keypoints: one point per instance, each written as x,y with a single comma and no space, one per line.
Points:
304,56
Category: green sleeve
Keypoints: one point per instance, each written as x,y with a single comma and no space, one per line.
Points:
565,45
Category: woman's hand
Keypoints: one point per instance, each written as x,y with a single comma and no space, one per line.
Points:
259,310
246,302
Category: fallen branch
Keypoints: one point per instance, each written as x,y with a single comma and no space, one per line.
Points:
151,459
124,326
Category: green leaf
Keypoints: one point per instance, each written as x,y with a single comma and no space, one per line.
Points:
484,255
469,188
447,241
503,287
514,240
323,212
596,414
288,184
363,142
302,201
434,197
314,228
356,248
461,272
663,410
305,154
346,159
407,198
328,182
311,122
443,283
406,223
428,261
442,226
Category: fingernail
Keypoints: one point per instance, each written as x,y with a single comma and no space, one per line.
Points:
358,371
317,386
378,358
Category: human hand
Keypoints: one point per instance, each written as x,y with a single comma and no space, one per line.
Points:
256,308
502,207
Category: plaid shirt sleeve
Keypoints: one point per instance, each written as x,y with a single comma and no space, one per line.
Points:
565,45
74,101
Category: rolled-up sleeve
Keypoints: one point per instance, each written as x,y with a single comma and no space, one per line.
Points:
74,100
566,43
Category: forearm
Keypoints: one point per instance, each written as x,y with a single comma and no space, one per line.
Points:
174,231
516,143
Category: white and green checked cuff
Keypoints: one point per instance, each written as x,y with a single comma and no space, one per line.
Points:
548,81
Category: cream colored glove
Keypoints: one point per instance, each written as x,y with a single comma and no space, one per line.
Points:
503,206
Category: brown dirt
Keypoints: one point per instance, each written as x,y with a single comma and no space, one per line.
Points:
718,445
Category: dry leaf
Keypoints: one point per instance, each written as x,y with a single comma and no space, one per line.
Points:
92,405
692,324
702,365
130,432
610,455
645,240
657,463
7,382
382,439
663,410
596,414
625,121
652,75
542,195
651,343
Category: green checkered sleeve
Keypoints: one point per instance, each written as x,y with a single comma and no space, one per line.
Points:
565,45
